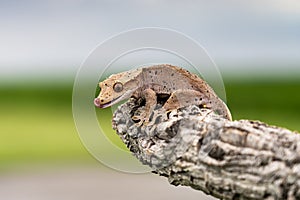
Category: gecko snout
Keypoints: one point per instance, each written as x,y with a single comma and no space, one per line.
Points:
97,102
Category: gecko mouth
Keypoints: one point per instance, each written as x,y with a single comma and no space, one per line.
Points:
98,103
105,105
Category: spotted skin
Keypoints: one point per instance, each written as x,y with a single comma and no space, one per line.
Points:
183,88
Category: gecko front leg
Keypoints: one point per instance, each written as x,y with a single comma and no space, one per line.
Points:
150,97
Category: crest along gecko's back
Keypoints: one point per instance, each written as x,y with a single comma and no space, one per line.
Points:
168,78
183,87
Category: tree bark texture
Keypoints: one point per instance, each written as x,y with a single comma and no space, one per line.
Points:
195,147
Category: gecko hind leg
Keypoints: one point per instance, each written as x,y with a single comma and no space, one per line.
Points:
182,98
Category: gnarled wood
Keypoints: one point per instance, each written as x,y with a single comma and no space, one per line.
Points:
227,159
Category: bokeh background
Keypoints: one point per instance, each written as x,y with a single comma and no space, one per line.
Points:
255,44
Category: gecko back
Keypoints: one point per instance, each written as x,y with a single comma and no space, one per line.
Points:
183,87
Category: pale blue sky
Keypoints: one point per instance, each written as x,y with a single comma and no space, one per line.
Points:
53,37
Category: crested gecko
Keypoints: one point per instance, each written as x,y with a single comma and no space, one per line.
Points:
182,87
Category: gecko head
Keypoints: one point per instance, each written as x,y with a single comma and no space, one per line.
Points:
116,88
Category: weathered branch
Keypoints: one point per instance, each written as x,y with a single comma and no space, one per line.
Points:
227,159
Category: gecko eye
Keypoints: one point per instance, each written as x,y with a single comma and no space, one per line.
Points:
118,87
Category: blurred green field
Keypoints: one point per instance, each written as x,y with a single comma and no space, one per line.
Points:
37,123
274,102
